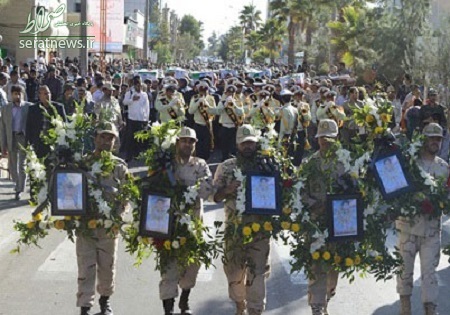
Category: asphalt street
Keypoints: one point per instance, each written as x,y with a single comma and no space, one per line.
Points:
43,280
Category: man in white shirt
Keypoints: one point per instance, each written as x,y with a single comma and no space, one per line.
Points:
138,115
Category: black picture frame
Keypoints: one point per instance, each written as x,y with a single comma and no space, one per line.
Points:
263,193
345,213
149,215
391,176
69,195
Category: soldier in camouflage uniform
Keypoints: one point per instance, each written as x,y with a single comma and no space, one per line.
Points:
246,267
422,234
189,170
323,285
97,254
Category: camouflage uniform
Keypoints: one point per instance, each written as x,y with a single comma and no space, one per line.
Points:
97,254
246,267
322,287
422,235
188,174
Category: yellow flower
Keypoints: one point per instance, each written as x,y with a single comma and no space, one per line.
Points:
247,231
92,224
441,204
357,260
337,259
386,118
77,217
379,258
37,217
145,240
266,152
326,255
315,255
256,227
369,118
295,227
268,226
363,192
59,224
379,130
67,218
30,225
348,262
167,245
285,225
182,240
287,210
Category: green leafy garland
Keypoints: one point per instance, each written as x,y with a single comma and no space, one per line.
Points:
192,241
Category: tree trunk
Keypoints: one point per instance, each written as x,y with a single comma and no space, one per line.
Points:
291,52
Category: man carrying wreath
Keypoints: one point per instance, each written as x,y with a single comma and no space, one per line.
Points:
188,170
246,267
422,233
97,253
325,171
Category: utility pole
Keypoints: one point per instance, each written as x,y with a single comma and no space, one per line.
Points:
147,13
83,31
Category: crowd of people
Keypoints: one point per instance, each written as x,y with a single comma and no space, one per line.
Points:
221,114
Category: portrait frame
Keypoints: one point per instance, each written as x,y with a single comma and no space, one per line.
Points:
255,184
391,176
69,195
149,215
345,213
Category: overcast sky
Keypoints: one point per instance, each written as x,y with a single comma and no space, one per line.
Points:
216,15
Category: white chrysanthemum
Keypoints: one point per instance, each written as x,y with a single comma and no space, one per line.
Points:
97,194
77,223
185,219
125,227
175,244
128,216
42,195
104,208
71,134
96,168
43,225
108,224
77,157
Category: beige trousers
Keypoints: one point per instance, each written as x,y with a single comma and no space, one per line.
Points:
173,277
96,257
246,270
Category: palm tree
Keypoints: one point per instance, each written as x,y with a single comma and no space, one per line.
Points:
253,41
350,37
250,18
297,14
272,34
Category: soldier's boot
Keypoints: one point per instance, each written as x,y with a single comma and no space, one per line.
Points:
168,306
317,309
105,305
240,308
85,311
184,303
430,308
252,311
405,304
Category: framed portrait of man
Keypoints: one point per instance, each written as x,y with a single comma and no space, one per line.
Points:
391,175
345,213
69,193
263,194
156,218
